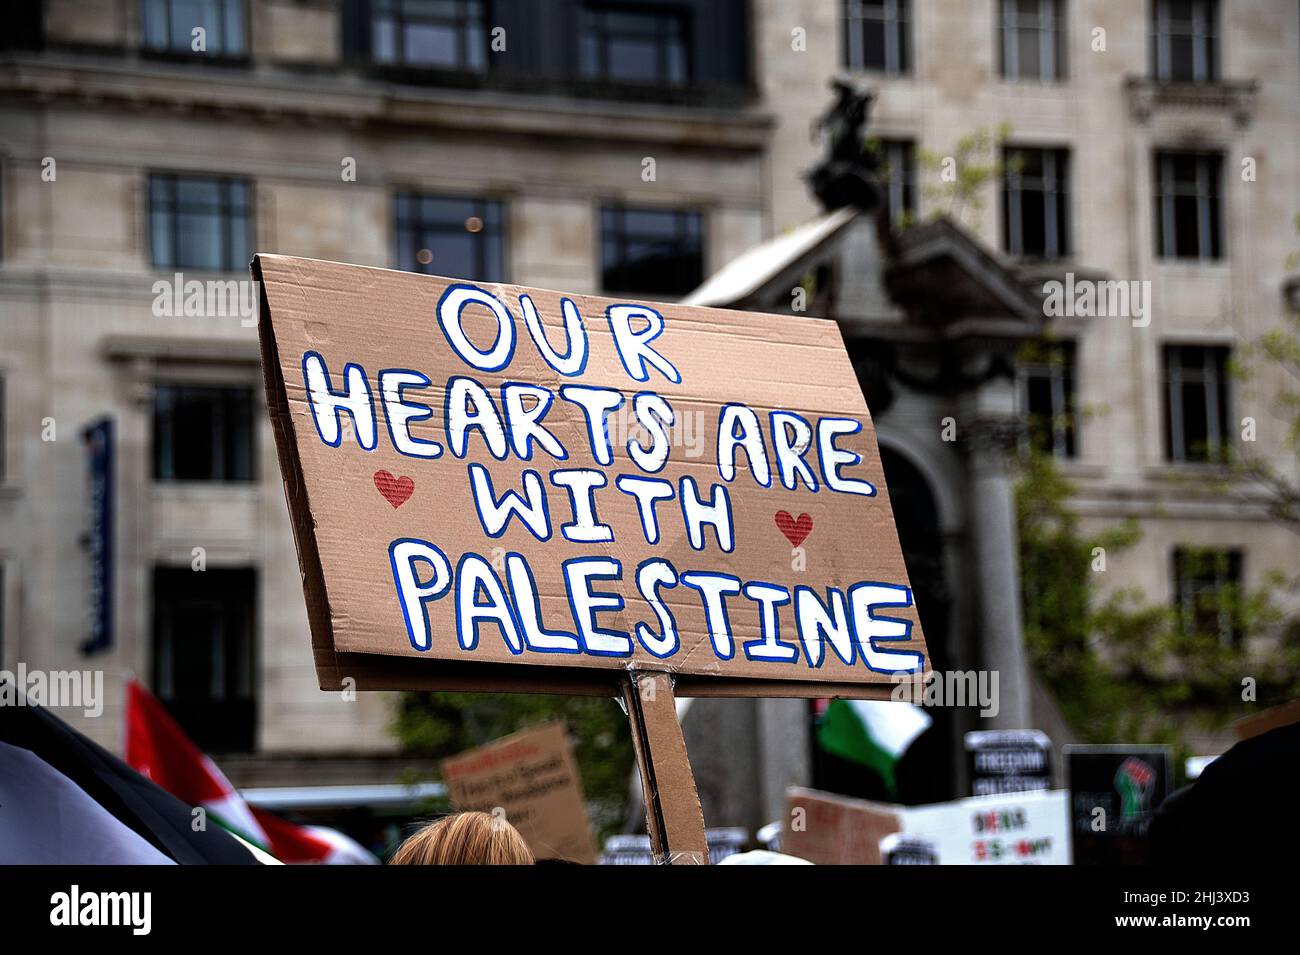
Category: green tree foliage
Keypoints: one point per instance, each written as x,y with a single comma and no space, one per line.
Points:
959,181
1123,668
437,725
1277,349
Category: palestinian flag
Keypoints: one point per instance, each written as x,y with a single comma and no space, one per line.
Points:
157,748
311,845
874,733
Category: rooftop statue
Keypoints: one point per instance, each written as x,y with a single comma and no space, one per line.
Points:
846,176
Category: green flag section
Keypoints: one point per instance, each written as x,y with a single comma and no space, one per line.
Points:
874,733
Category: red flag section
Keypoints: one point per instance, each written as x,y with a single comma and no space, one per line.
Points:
158,748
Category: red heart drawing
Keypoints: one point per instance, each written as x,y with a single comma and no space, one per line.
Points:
396,490
795,531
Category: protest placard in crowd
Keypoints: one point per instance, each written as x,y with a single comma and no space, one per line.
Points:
1008,761
827,829
1015,828
531,780
1115,790
1026,828
502,488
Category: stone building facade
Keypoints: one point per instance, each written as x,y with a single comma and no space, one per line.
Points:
1151,142
361,132
1148,144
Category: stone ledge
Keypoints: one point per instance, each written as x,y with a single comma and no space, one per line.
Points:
1235,97
278,96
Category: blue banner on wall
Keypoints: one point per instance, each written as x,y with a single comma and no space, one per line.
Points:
99,438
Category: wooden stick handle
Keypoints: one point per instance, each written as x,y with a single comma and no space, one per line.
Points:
672,805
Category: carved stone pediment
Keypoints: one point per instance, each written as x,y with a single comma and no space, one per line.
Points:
1235,97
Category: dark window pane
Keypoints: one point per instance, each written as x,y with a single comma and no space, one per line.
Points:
1184,40
651,251
1196,434
432,45
199,222
203,433
873,45
1181,59
1207,593
1033,223
644,45
1048,399
383,39
451,236
1035,202
1196,403
1027,58
877,35
203,662
897,176
451,254
1187,206
449,35
1186,230
168,25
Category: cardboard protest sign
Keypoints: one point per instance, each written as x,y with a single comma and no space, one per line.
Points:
1115,790
1028,828
532,778
827,829
1008,761
502,488
1272,718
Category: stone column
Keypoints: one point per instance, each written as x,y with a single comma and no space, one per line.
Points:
784,749
991,443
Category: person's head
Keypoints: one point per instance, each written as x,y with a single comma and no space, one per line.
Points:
464,838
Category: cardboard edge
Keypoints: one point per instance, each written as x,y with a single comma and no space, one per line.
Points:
674,817
1275,717
374,671
295,493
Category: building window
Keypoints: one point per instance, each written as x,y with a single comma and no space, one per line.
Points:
1207,593
641,44
1033,39
1184,41
879,35
1036,203
199,222
1187,205
202,433
169,26
647,251
452,236
203,626
438,34
1047,387
897,177
1196,403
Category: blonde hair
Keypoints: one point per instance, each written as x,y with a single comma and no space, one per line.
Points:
465,838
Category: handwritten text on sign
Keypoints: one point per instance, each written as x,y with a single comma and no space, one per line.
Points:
535,527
